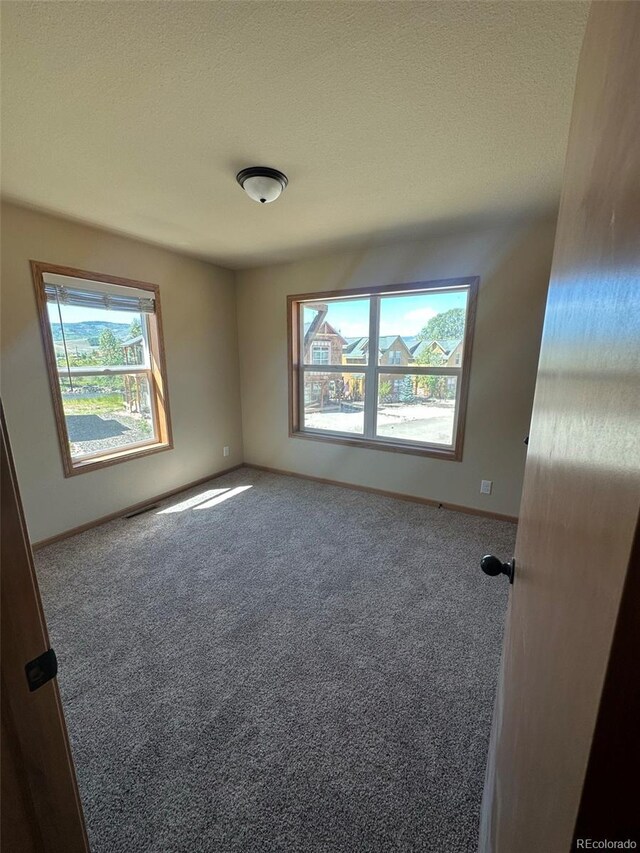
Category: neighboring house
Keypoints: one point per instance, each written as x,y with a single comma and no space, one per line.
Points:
136,386
133,350
455,356
323,344
399,350
355,351
393,350
411,341
447,352
450,351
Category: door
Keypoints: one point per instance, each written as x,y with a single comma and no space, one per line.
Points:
581,490
41,811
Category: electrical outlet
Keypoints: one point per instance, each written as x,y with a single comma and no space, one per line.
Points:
485,487
225,451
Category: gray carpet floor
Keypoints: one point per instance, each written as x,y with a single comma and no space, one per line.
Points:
287,667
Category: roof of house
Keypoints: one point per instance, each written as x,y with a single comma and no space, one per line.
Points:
356,347
411,341
323,329
419,347
131,341
448,344
387,341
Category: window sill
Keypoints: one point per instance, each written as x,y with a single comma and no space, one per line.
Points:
104,460
445,453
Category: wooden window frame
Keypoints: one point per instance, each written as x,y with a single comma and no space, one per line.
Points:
371,369
156,375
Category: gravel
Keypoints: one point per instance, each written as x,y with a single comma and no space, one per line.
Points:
93,433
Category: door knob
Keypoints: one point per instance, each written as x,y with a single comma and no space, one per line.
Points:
491,565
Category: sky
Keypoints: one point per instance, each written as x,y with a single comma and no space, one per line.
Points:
399,315
77,314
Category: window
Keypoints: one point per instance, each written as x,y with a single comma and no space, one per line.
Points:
320,353
103,346
386,367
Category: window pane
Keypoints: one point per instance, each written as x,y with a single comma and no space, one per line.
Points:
334,401
96,337
423,328
321,352
335,331
417,408
106,413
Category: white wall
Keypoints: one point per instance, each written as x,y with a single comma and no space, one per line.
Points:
199,319
513,262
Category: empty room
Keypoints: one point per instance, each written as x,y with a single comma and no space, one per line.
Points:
320,459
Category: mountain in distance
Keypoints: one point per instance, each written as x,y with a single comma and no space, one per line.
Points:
90,330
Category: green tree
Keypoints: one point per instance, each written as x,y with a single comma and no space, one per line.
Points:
447,325
406,390
430,358
82,359
110,348
385,391
135,328
434,386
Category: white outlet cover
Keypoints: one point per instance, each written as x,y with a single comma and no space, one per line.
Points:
486,486
225,451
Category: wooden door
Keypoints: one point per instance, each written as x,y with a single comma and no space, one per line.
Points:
41,811
581,490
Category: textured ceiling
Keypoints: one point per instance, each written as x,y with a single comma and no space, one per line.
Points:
387,117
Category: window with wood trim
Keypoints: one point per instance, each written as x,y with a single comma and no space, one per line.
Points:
105,358
394,370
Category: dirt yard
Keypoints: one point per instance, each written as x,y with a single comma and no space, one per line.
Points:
428,421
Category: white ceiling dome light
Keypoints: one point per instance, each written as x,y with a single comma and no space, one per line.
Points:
261,183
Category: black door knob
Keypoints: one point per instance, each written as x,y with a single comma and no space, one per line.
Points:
491,565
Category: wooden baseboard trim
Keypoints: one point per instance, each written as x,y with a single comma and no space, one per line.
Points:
412,498
36,546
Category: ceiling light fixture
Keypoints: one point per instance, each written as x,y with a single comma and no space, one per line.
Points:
261,183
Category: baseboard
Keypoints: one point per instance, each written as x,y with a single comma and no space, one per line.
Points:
35,546
399,495
161,497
